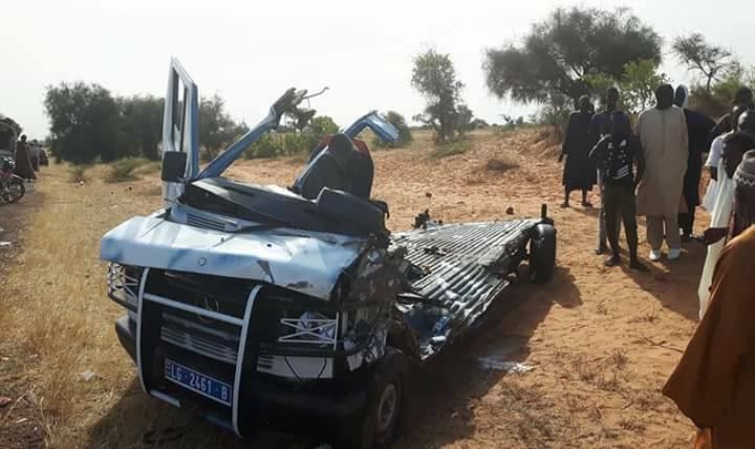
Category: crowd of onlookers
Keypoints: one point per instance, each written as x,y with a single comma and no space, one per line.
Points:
654,170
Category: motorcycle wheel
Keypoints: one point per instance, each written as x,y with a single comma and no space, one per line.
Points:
16,191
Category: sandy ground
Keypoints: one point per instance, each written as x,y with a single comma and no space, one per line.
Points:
601,341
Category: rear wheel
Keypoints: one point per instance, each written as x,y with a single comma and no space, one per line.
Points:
543,253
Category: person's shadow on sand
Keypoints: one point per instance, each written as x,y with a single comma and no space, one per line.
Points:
669,281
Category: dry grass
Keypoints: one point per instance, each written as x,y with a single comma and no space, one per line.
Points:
585,369
649,316
499,165
149,167
56,321
632,425
125,169
619,359
77,174
493,167
56,308
450,149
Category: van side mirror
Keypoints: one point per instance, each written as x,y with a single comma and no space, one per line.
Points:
174,166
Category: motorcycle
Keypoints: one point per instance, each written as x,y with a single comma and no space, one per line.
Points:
12,186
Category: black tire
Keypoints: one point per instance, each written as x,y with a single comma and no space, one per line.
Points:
16,191
542,253
378,426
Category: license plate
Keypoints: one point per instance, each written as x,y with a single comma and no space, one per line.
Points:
199,383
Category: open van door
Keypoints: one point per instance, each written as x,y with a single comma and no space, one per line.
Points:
381,127
180,133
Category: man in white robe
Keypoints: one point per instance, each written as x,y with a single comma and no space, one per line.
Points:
734,148
714,156
720,216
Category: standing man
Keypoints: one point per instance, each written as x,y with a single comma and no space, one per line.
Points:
698,130
742,99
599,128
735,146
35,149
716,146
579,172
714,383
23,160
714,157
615,156
663,135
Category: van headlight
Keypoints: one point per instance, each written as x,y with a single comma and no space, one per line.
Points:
123,285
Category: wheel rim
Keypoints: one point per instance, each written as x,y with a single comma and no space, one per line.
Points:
387,408
16,191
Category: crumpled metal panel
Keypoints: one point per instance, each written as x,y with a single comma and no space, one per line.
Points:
307,262
464,263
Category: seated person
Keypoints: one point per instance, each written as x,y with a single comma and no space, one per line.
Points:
338,166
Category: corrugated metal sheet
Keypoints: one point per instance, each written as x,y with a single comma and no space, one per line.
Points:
464,263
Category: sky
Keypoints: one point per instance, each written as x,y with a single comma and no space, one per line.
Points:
249,51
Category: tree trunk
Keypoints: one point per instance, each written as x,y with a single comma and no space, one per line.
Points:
442,132
149,149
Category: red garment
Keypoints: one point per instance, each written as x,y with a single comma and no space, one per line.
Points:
359,144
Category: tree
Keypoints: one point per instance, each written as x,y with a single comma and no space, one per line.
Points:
510,122
711,61
560,52
140,126
717,101
479,123
555,115
404,133
88,123
84,122
216,128
322,126
434,76
464,118
637,85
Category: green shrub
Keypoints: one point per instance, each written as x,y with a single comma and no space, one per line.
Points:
265,147
718,101
77,173
404,133
122,170
555,116
297,143
149,168
283,144
288,142
322,126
